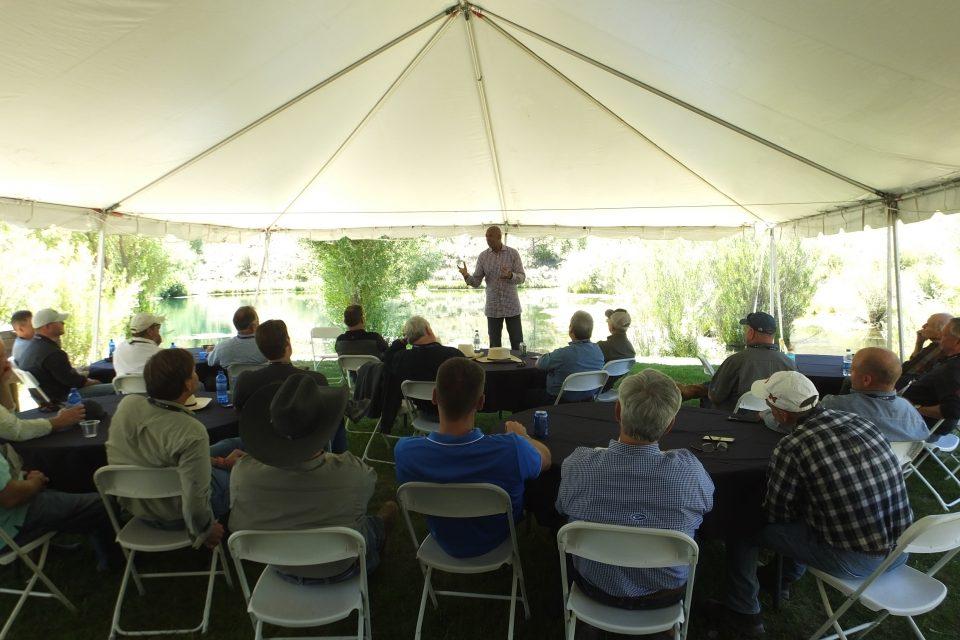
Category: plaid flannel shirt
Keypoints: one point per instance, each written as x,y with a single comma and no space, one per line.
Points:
502,298
836,472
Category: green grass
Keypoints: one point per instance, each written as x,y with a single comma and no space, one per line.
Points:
395,589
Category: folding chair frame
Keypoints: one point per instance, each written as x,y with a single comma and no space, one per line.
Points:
14,552
345,372
217,557
322,333
932,451
581,374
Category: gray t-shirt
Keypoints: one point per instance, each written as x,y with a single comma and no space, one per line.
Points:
741,370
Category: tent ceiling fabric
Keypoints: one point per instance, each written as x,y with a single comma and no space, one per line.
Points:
99,100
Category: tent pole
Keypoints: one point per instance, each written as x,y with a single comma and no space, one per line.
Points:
772,275
484,106
613,114
894,208
776,288
289,103
101,245
677,101
263,263
889,316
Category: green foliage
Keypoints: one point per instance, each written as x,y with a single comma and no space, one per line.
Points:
676,305
371,273
594,282
139,261
175,290
549,252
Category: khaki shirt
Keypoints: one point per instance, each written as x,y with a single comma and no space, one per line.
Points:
148,435
17,429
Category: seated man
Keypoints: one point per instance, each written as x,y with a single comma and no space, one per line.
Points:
617,346
925,356
936,393
835,500
579,355
50,364
242,348
17,430
416,357
357,340
159,431
288,480
758,361
131,355
872,375
22,323
459,452
596,486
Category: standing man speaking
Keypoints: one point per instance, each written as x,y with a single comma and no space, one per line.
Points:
501,266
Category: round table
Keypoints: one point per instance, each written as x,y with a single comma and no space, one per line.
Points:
739,474
507,383
103,370
69,459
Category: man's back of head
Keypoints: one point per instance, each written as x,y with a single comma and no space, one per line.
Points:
245,319
353,316
415,328
272,339
581,325
649,402
459,391
874,369
167,372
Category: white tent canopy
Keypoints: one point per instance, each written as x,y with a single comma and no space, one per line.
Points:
222,118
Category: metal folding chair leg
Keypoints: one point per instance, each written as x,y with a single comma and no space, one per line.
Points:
27,591
366,457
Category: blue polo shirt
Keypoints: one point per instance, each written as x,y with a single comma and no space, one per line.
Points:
506,460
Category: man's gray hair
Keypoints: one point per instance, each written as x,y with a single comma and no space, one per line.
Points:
581,325
953,326
649,401
415,328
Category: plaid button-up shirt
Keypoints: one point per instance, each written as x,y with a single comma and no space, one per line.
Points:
836,472
502,298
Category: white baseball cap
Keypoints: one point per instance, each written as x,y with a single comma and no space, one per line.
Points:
788,390
143,321
46,316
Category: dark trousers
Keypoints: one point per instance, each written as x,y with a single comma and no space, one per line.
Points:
514,329
69,513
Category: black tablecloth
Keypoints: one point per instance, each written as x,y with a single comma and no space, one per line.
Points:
507,383
103,371
825,372
69,459
739,474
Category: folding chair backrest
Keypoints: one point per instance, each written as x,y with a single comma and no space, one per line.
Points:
234,370
30,382
585,381
298,548
707,367
352,363
906,451
933,534
459,500
325,333
628,546
128,481
750,402
417,389
131,383
617,368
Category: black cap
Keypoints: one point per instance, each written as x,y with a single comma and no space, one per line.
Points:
760,321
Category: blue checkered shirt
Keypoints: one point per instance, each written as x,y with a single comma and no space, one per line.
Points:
836,472
639,486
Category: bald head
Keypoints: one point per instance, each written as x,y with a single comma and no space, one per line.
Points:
934,325
494,238
874,369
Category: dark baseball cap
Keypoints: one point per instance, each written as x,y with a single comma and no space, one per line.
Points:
760,321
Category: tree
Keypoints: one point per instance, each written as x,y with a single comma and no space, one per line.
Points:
677,304
371,273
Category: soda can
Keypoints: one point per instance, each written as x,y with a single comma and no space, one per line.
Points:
541,424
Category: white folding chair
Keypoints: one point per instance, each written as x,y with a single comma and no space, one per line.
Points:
615,369
633,547
750,402
945,444
462,501
280,602
322,334
11,554
904,591
707,367
29,381
349,365
584,381
130,383
419,390
125,481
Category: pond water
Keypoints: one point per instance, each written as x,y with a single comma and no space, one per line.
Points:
455,314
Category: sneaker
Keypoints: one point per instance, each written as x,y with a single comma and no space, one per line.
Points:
741,625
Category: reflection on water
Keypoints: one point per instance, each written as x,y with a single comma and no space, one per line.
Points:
455,315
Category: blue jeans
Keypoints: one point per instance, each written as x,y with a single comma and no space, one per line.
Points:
374,535
220,478
97,390
69,513
796,541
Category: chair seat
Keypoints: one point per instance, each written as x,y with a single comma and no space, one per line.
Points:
608,396
140,536
903,591
946,443
429,426
623,620
432,555
277,601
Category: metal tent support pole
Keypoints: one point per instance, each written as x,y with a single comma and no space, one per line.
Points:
101,245
889,316
263,263
772,276
894,208
776,288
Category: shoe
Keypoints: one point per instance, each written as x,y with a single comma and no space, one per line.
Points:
767,577
357,409
742,625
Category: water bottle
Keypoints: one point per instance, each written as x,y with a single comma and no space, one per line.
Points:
222,397
847,363
202,355
73,398
111,348
476,341
173,345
